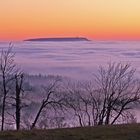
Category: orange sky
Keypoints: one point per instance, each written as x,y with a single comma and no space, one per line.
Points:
97,19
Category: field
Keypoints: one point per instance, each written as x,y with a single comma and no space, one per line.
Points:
116,132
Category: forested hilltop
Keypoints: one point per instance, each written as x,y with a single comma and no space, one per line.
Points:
59,39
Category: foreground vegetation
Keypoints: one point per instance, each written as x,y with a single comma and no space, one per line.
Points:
115,132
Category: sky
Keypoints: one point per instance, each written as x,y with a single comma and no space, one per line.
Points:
96,19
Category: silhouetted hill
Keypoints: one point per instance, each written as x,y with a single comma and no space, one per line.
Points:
59,39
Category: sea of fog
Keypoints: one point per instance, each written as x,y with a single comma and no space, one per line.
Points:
73,59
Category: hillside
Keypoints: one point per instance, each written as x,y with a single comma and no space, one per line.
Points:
118,132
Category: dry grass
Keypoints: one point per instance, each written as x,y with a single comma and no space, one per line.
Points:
116,132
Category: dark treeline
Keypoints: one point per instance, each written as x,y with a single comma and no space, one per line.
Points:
28,102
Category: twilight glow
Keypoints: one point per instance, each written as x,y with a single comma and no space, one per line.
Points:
97,19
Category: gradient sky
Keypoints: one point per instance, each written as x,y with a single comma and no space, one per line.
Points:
97,19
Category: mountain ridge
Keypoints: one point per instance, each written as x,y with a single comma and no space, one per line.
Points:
58,39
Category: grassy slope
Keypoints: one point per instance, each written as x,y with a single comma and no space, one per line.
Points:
118,132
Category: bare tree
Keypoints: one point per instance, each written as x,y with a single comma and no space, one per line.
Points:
118,90
92,101
109,98
51,99
7,69
19,90
78,102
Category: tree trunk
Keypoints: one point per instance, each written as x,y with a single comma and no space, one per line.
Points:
37,116
19,83
3,113
3,103
18,109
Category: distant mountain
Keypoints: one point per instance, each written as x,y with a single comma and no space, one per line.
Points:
59,39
